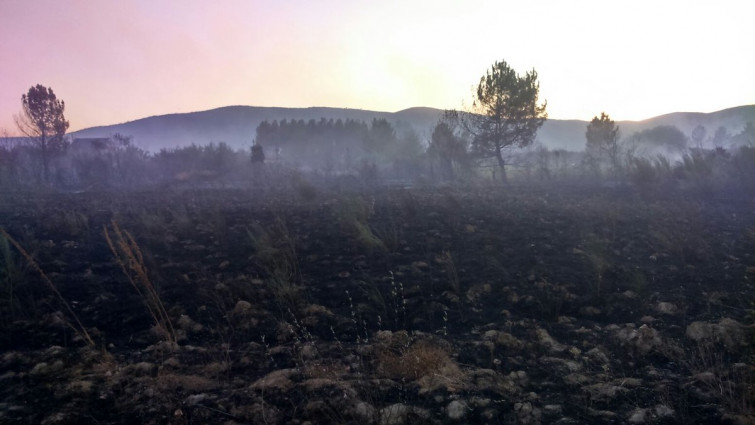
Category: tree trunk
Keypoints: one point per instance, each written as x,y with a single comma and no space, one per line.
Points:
447,170
502,166
45,162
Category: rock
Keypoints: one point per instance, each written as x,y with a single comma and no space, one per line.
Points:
195,399
605,415
663,411
727,331
383,337
242,308
480,401
398,414
83,387
488,380
552,410
41,368
590,311
576,379
643,339
638,416
598,356
519,377
560,366
308,352
478,353
526,413
57,418
699,331
316,316
490,335
508,341
456,410
604,391
365,411
708,378
742,419
668,309
258,413
277,379
477,292
187,324
546,341
143,369
172,362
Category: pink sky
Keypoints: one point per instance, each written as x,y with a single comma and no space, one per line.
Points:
115,61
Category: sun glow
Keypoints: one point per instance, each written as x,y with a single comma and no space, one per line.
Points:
116,62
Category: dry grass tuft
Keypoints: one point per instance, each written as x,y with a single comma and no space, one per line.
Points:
129,257
79,329
415,362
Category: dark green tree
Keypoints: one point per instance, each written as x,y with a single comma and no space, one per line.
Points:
747,136
381,138
603,141
447,148
721,137
258,154
662,137
698,136
42,119
505,113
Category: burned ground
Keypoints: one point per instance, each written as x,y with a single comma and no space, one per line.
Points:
424,305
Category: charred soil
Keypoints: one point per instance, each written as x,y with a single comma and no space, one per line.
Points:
386,306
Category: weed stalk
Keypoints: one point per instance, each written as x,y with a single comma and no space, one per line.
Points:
79,328
129,257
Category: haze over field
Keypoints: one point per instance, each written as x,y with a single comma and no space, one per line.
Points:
236,125
117,62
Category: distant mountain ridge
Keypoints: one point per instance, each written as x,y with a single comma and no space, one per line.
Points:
236,125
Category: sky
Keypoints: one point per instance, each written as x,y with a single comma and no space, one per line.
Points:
116,61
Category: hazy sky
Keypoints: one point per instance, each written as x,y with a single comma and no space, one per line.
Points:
115,61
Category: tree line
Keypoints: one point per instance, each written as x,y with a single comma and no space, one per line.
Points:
494,139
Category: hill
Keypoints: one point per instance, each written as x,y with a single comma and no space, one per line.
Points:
236,125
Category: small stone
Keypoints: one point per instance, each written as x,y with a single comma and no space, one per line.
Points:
41,368
277,379
490,335
548,342
144,368
638,416
508,341
576,379
195,399
456,410
590,311
242,308
365,411
597,355
308,352
667,308
395,414
663,411
647,319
